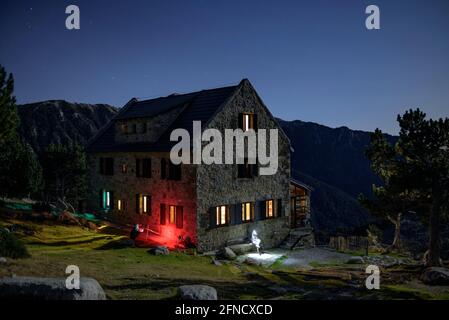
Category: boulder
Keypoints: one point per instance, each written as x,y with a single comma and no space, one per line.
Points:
355,260
126,243
68,218
3,260
227,253
197,292
436,276
49,289
216,262
243,248
159,251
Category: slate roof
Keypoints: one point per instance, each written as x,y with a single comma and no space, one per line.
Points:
201,105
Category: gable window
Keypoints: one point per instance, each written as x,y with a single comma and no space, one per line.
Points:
247,211
143,167
222,215
107,166
247,121
124,128
143,204
247,170
134,128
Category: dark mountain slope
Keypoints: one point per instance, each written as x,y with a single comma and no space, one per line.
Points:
335,156
58,121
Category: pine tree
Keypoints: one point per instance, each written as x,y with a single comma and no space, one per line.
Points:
415,172
65,174
20,171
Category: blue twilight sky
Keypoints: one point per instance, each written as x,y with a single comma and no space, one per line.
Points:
309,60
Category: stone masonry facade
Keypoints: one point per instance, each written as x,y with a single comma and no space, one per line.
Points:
202,187
219,185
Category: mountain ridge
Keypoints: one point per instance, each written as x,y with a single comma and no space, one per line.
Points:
331,160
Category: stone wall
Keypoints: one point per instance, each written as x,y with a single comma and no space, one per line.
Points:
219,185
125,186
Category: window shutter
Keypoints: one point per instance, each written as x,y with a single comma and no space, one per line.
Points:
255,122
179,217
212,217
111,199
101,165
255,169
137,167
101,199
262,209
279,212
238,213
240,121
146,168
232,217
258,211
112,166
163,168
149,208
162,214
137,203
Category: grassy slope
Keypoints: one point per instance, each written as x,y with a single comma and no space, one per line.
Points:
132,273
127,273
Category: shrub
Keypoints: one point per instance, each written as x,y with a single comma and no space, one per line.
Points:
41,207
12,247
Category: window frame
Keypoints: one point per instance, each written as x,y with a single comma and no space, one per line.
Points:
218,217
273,209
245,213
143,168
141,204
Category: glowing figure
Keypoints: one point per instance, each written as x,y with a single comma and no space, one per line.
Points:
256,241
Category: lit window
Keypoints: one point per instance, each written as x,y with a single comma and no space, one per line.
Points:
175,215
172,214
106,199
119,205
269,209
247,211
143,204
124,168
222,215
248,121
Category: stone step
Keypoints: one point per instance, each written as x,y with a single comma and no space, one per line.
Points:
298,238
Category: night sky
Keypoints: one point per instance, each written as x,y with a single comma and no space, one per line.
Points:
309,60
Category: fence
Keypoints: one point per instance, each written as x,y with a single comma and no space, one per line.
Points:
351,243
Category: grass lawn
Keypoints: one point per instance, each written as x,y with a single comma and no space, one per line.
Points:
124,273
133,273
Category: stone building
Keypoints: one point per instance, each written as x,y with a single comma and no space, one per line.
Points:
209,205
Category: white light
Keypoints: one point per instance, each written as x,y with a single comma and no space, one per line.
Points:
255,240
145,204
